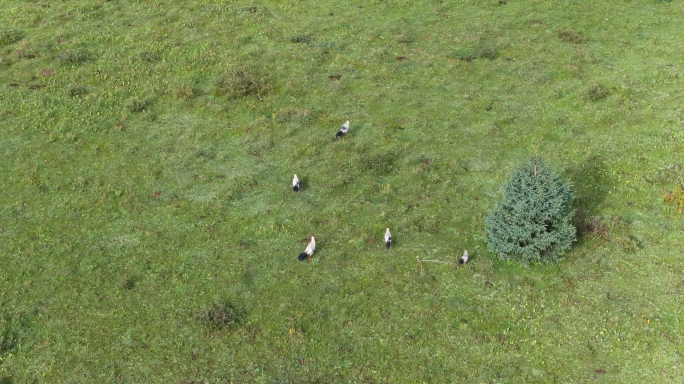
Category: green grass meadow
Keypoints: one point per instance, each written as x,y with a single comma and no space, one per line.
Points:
147,155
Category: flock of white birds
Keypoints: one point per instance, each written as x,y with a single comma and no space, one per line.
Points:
308,252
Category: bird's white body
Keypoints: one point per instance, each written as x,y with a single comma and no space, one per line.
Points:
295,183
464,258
311,247
343,130
388,238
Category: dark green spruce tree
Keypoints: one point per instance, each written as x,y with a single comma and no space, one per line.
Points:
533,221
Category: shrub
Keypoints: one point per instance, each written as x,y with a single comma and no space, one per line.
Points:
533,221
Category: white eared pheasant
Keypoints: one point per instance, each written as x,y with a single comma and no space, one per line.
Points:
295,183
309,250
343,130
464,258
388,238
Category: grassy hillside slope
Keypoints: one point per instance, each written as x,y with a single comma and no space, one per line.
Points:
148,148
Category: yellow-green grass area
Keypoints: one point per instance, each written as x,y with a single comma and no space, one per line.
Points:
150,232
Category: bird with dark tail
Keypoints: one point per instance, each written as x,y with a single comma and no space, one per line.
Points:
309,250
464,258
295,183
343,130
388,238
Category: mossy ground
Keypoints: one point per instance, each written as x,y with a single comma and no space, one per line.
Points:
147,152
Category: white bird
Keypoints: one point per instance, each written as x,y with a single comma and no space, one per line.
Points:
295,183
388,238
343,130
309,250
464,258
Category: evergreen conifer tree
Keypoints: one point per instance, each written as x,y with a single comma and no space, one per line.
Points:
533,222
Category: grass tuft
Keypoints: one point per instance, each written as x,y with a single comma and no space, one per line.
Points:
136,105
8,341
570,36
10,36
404,38
286,116
225,315
488,53
186,92
241,83
73,57
380,164
674,201
130,283
150,56
597,92
602,227
300,39
77,91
